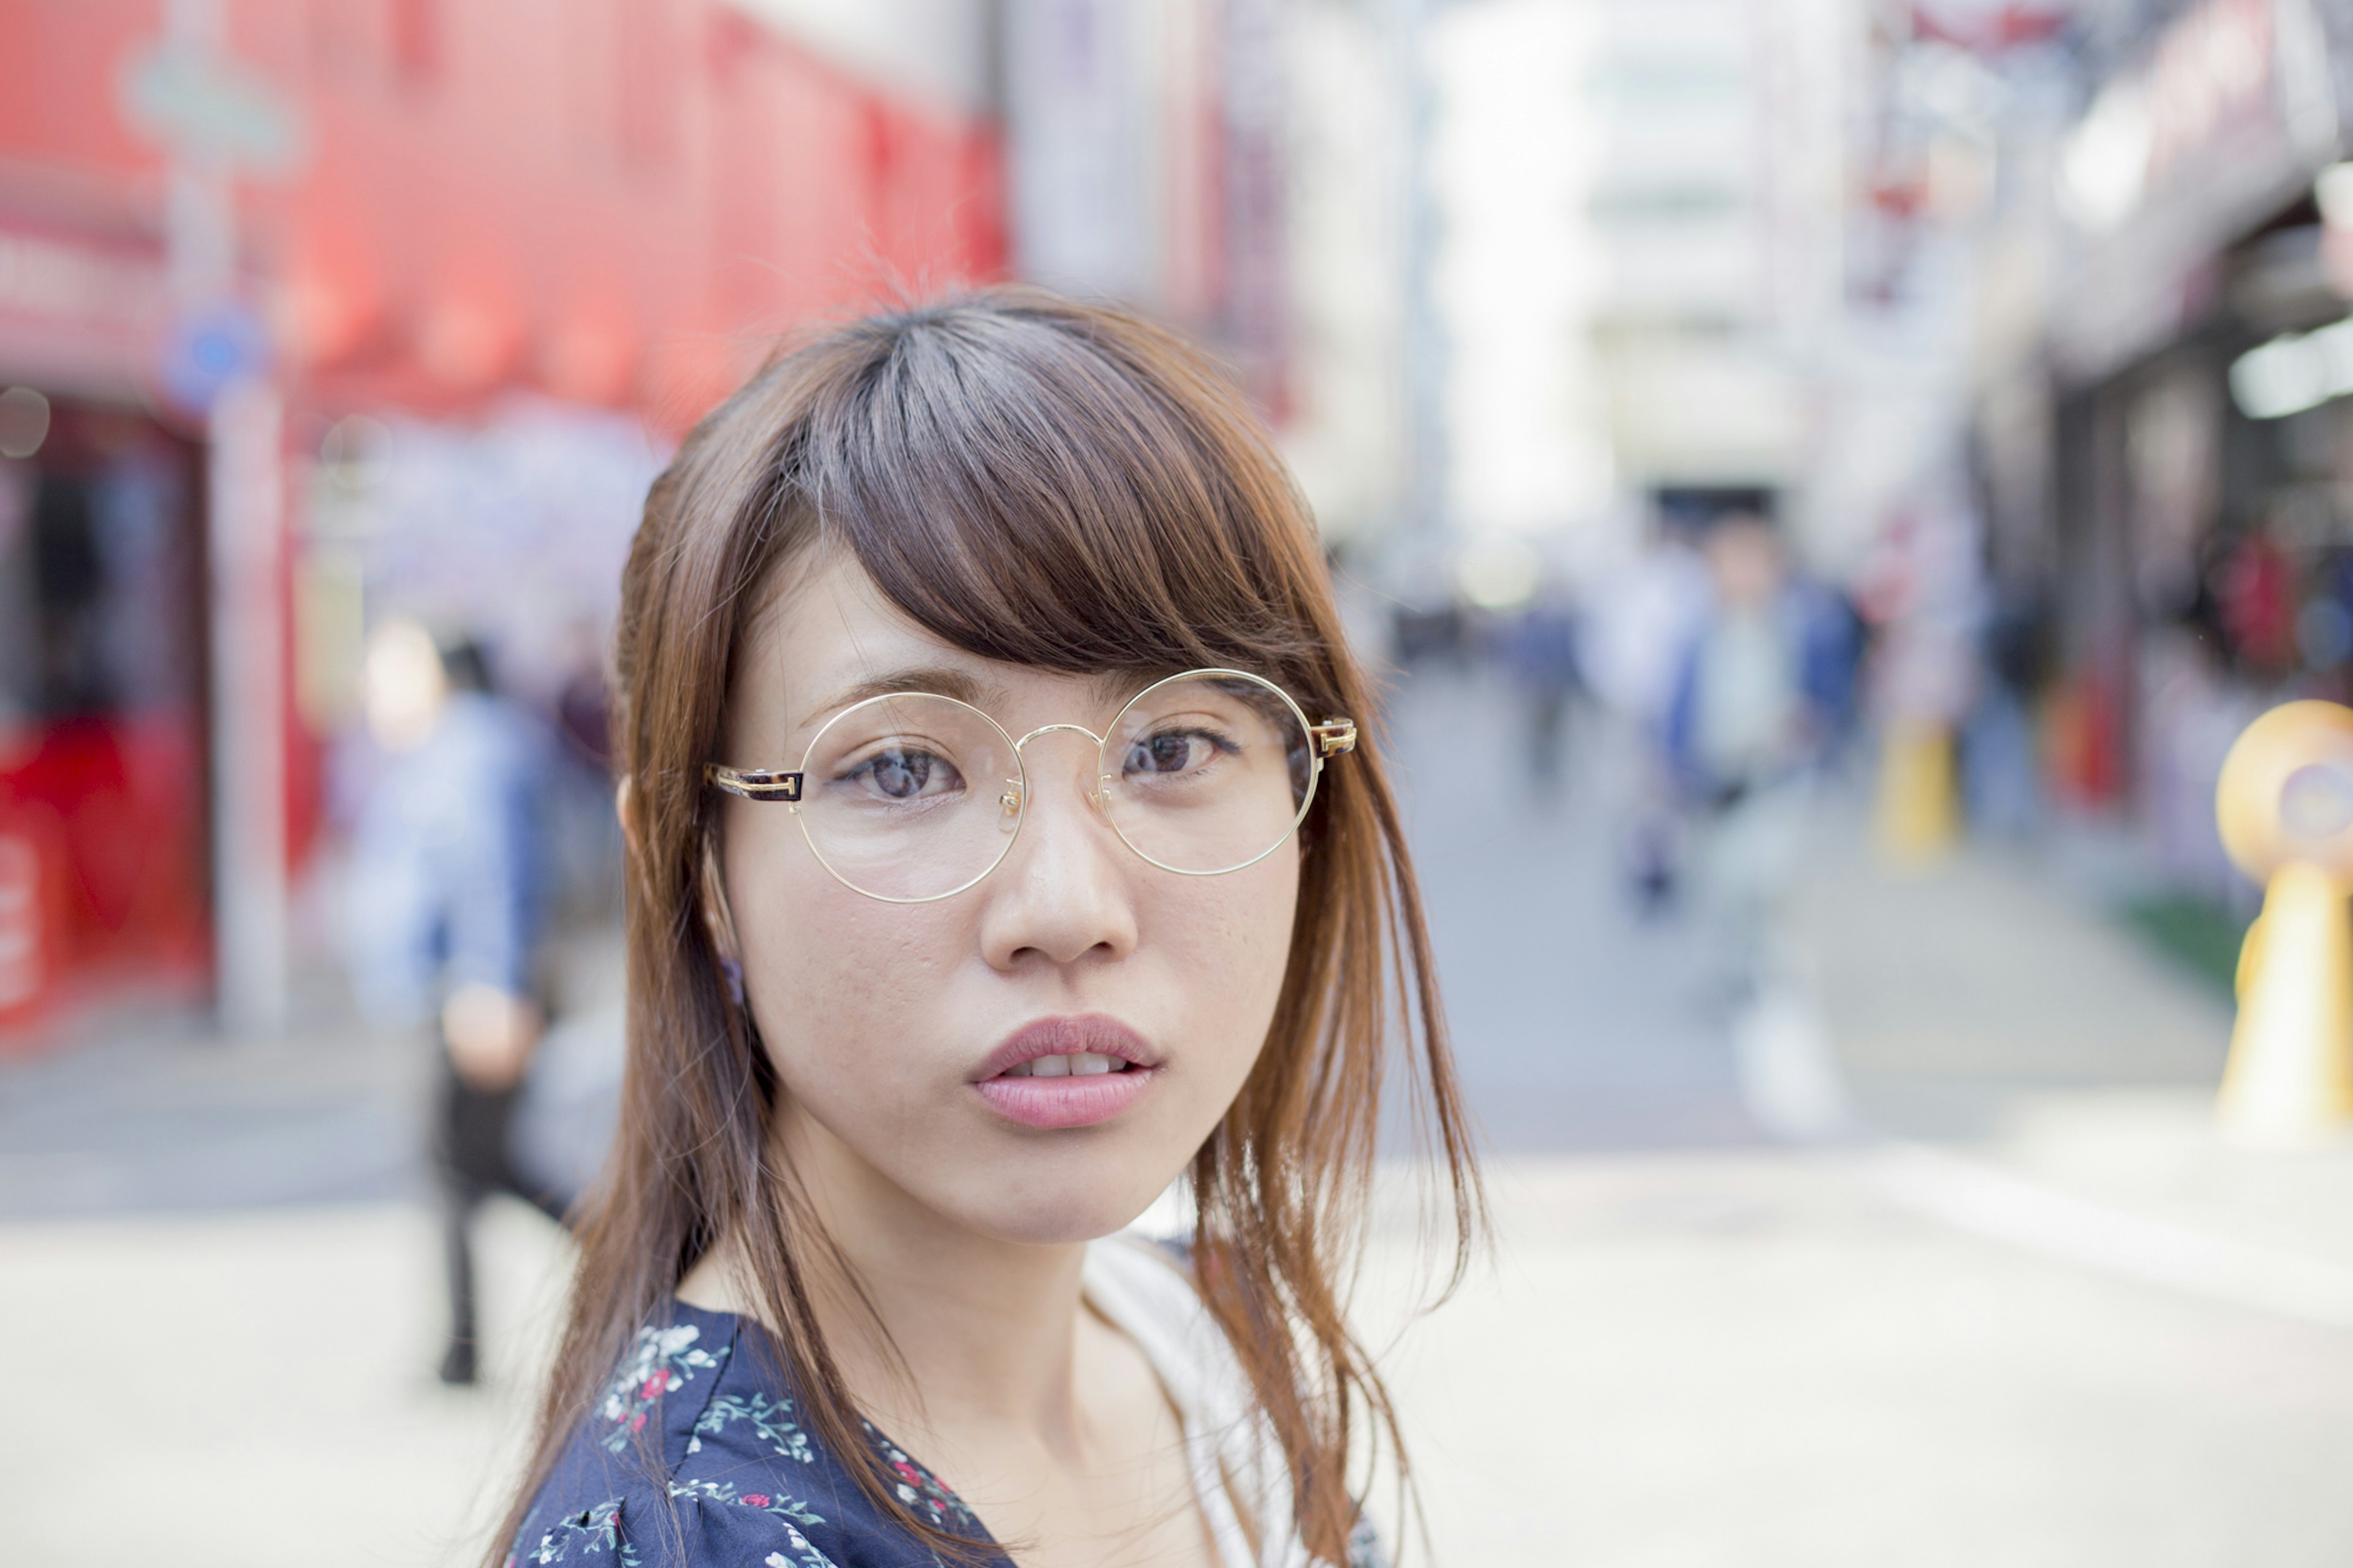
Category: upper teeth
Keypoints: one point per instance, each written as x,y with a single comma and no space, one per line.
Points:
1078,1066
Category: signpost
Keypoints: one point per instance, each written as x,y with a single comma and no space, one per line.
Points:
215,120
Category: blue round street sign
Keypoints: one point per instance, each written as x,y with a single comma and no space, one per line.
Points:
208,350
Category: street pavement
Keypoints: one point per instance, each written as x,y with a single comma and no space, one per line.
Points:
255,1387
2006,1300
1750,1360
153,1114
1579,1024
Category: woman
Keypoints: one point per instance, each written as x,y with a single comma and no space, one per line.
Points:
922,1012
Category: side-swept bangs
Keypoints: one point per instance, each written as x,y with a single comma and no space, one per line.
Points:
1067,488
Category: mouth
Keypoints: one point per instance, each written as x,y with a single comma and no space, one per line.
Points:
1068,1072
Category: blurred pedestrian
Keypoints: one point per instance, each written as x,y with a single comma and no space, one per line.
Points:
1762,689
447,871
1539,648
2000,780
1631,644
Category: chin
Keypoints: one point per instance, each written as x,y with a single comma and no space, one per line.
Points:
1077,1206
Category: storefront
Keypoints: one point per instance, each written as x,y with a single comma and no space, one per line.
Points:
103,691
2185,538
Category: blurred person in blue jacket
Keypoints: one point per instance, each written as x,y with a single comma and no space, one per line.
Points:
447,885
1764,691
1539,647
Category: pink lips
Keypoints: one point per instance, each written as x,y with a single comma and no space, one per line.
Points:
1069,1102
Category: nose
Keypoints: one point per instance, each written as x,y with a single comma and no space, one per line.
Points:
1064,896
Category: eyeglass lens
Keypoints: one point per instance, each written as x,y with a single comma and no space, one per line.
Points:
910,796
1206,773
914,798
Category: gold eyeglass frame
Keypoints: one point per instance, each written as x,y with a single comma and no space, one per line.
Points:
1332,738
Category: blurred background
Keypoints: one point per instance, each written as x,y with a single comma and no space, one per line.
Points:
1825,483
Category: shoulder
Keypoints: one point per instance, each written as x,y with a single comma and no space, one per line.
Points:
1149,1291
616,1467
697,1453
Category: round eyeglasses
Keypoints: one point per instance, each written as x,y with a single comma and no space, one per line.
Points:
914,797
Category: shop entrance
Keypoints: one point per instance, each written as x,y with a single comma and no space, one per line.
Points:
102,756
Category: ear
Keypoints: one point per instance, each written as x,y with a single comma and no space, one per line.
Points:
625,804
711,894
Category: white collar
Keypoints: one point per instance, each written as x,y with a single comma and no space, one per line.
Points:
1235,1458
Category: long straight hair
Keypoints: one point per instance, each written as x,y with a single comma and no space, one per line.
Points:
1069,487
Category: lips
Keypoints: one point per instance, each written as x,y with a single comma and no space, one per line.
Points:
1068,1072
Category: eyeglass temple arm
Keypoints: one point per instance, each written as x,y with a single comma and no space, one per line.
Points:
754,783
1333,736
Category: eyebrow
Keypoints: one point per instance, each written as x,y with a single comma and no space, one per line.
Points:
938,679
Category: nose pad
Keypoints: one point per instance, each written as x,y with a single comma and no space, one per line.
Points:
1009,816
1093,794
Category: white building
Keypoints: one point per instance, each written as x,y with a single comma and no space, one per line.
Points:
1638,205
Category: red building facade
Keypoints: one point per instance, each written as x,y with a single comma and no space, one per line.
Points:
604,205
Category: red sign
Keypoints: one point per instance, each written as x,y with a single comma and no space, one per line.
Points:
21,968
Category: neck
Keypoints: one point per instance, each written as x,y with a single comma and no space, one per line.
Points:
935,1328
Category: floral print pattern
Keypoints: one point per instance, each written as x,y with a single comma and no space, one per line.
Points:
699,1434
596,1530
771,1502
922,1491
660,1360
768,1418
804,1554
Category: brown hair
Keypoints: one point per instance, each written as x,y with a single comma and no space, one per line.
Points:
1066,487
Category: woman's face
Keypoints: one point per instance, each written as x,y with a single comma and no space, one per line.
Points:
890,1023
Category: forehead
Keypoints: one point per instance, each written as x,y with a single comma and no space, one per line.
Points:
826,637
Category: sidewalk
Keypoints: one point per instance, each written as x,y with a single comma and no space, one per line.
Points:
245,1390
1988,1007
153,1111
2026,1309
163,1115
1954,989
1760,1360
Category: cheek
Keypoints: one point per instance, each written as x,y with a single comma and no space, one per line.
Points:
1226,946
840,984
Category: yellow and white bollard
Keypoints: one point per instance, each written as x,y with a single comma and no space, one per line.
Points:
2285,805
1917,816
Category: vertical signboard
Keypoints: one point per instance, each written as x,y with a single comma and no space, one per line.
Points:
249,717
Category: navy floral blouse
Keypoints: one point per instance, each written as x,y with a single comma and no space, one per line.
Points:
739,1480
695,1456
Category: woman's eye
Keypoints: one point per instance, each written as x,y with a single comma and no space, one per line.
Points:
902,775
1171,752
